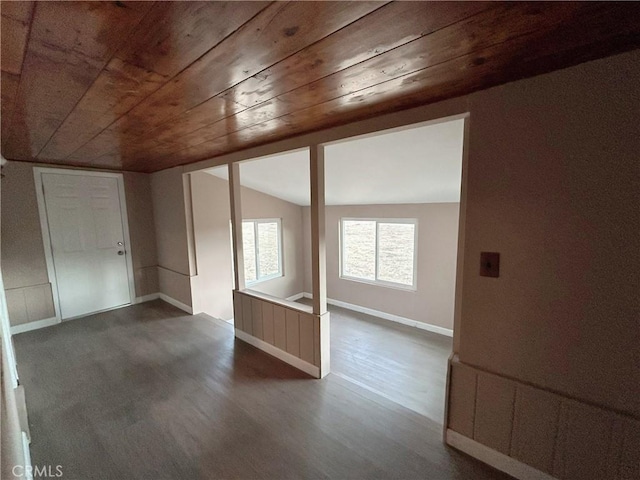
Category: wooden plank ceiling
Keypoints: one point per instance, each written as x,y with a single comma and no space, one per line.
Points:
144,86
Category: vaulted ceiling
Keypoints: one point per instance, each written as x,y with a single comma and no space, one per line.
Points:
144,86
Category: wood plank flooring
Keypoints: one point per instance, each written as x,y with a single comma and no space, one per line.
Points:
147,392
402,363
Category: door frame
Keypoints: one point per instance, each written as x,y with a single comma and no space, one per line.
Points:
46,236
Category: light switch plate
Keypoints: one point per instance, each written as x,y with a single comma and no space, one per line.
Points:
489,264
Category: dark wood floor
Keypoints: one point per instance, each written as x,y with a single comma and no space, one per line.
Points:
147,392
402,363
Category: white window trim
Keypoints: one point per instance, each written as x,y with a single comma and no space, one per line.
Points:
256,222
381,283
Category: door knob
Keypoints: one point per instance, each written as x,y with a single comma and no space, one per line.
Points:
120,244
120,252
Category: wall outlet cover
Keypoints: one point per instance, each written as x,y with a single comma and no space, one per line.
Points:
489,264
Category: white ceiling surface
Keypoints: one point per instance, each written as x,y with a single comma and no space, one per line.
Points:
418,165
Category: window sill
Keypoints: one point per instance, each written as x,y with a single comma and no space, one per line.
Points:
262,280
373,283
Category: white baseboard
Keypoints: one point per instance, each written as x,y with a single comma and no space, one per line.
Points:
175,303
387,316
295,297
494,458
147,298
27,327
279,354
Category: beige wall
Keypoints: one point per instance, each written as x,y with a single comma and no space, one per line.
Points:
24,267
28,291
11,395
553,185
142,232
212,288
211,218
174,272
549,351
433,300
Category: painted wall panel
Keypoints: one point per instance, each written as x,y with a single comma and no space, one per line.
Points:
316,340
283,329
256,315
144,254
39,302
493,421
170,221
212,237
247,315
549,432
535,427
293,332
306,337
237,311
280,327
267,323
22,250
17,306
583,443
175,285
462,399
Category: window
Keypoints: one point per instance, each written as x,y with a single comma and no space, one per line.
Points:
262,245
379,251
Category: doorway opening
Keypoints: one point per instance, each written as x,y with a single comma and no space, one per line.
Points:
272,231
83,216
392,215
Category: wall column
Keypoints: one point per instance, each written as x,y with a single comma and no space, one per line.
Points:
318,244
236,225
319,256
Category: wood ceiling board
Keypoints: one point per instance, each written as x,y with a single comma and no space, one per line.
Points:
69,44
205,114
118,88
303,82
539,51
8,93
170,37
16,20
276,32
463,75
19,11
373,35
498,25
14,34
175,34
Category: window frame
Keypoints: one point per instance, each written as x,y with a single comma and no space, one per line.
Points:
384,283
280,273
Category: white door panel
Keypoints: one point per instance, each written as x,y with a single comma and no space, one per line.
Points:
86,230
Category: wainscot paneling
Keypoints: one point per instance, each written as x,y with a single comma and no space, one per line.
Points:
283,329
532,433
30,304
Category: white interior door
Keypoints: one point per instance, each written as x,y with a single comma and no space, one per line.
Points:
87,242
